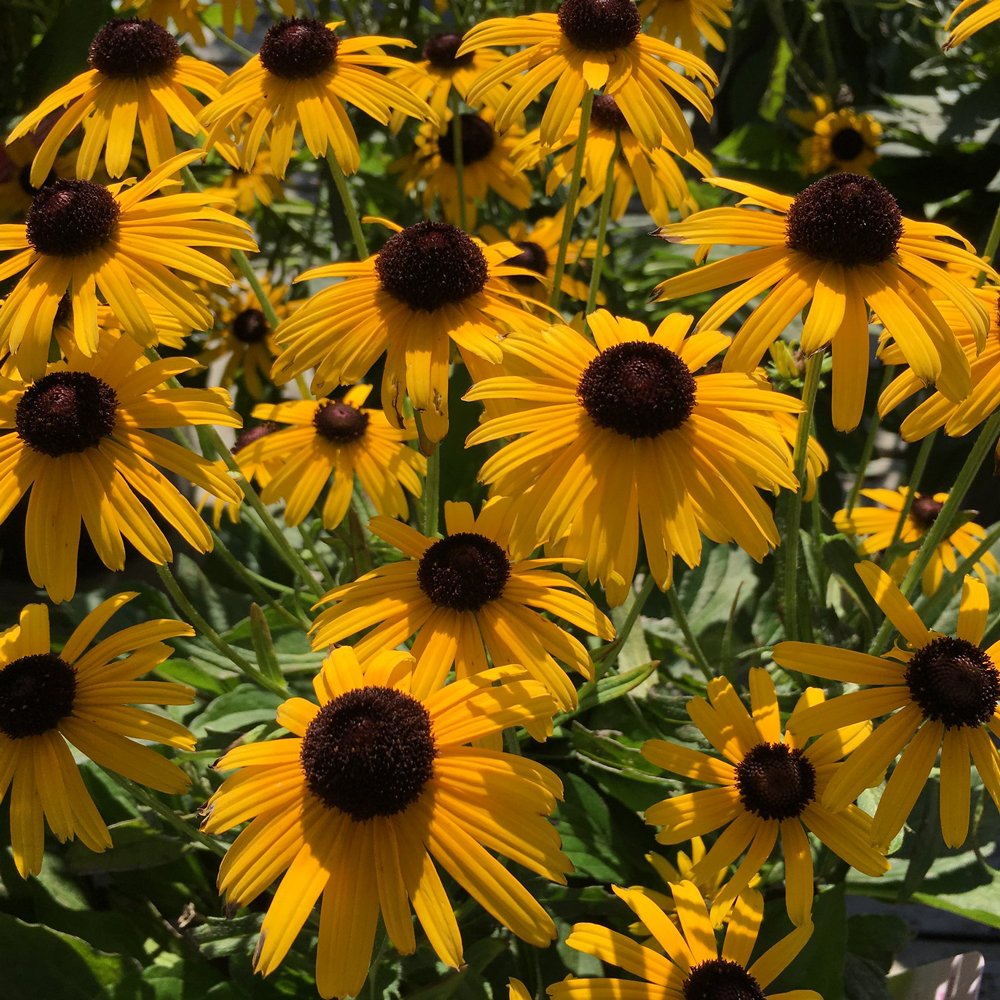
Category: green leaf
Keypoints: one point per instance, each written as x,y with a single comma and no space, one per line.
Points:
264,646
136,848
246,705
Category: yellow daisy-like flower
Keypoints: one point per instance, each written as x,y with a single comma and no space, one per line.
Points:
592,44
81,696
375,789
487,165
654,172
817,460
842,140
469,600
250,468
880,524
335,437
299,80
16,189
184,15
840,243
247,10
80,439
691,966
625,433
248,188
430,284
938,693
769,786
82,238
137,78
689,23
978,19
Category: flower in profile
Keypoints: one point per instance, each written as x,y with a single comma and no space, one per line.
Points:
376,788
687,22
842,139
82,238
80,440
654,172
81,694
978,19
430,284
300,79
592,44
137,79
939,693
690,966
838,244
469,600
487,165
626,434
880,524
335,438
769,786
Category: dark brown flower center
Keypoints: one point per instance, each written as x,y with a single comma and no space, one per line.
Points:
298,48
340,422
431,264
720,979
477,140
954,682
440,52
133,49
924,511
775,781
71,218
638,389
532,257
36,694
847,144
845,218
250,326
66,412
599,25
463,571
369,752
251,434
605,114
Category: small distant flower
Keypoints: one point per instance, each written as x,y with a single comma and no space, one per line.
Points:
938,693
844,139
964,30
52,696
248,188
686,22
184,15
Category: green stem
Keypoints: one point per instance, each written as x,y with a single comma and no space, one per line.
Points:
790,501
869,446
571,197
992,242
241,260
340,182
942,523
693,645
432,494
224,39
458,156
604,213
911,494
635,610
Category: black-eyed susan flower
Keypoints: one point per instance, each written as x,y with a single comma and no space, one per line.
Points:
938,693
80,440
769,787
300,80
654,172
689,23
842,139
81,694
487,165
376,788
82,238
592,44
625,433
817,460
248,188
978,19
431,284
330,441
880,524
16,189
468,600
252,470
183,15
840,243
137,79
691,965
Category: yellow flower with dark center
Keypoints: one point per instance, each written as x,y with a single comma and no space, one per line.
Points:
300,79
469,600
624,433
137,78
430,284
16,189
487,165
844,139
82,238
880,523
978,19
50,696
691,966
654,172
335,437
688,22
79,438
592,44
938,693
770,786
376,788
248,188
